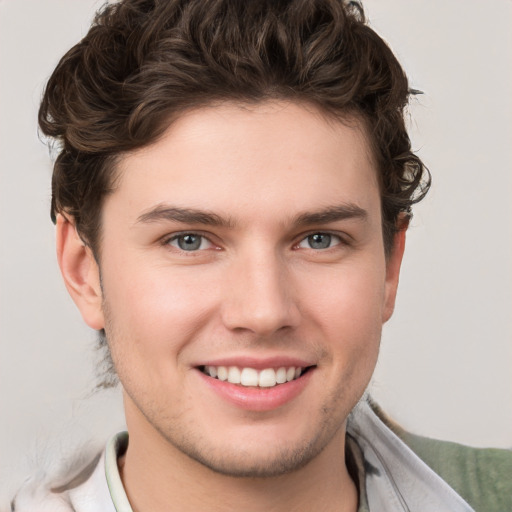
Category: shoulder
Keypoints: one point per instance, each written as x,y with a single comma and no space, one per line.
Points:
85,483
482,476
54,492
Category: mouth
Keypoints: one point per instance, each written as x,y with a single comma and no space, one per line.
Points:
253,378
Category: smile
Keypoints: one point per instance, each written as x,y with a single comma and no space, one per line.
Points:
250,377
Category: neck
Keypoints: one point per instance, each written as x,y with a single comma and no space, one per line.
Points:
157,476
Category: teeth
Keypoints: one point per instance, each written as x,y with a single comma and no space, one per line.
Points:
249,377
234,375
281,376
266,378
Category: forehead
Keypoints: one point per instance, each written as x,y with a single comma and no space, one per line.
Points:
252,156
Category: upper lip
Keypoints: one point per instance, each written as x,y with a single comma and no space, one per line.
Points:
258,363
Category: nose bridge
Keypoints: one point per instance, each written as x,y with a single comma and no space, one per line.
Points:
259,293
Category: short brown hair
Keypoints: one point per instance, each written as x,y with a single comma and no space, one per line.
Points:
145,62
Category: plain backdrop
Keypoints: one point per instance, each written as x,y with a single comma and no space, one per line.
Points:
446,357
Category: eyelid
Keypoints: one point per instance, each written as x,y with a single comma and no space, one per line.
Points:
344,238
167,239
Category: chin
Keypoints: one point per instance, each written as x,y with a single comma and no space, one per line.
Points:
257,452
244,464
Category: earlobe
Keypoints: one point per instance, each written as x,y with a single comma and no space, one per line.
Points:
80,272
393,266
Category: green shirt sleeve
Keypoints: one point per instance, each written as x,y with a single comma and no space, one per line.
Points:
482,476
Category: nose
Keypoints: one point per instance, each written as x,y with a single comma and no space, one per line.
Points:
259,295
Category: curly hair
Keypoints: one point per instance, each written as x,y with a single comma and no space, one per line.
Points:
145,62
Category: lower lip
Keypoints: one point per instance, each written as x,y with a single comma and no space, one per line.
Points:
254,398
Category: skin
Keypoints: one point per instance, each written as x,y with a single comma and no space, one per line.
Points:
255,288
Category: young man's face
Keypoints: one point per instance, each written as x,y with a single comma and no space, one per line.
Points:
246,239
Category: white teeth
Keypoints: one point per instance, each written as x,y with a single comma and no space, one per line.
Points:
266,378
281,376
222,373
249,377
234,375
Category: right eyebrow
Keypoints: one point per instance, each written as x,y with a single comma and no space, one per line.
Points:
184,215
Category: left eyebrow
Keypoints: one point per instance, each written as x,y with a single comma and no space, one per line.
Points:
164,212
332,214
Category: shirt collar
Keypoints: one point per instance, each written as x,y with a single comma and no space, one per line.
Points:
396,479
390,476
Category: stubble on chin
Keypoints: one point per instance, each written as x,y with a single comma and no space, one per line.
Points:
237,462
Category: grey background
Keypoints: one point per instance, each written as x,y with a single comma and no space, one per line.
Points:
445,364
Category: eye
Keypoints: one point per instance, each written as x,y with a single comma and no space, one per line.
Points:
319,241
190,242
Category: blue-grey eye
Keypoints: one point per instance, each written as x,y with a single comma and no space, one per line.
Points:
190,242
319,241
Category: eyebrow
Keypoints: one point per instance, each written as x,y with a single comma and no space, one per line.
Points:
195,216
183,215
332,214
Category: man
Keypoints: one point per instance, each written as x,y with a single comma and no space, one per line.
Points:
231,198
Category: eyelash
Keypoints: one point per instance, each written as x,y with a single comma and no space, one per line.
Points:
177,236
340,240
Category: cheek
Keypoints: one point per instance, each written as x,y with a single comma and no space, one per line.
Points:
155,311
349,295
347,307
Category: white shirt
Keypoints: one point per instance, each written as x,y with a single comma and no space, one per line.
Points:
399,481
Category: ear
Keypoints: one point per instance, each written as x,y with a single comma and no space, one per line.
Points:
393,265
80,272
